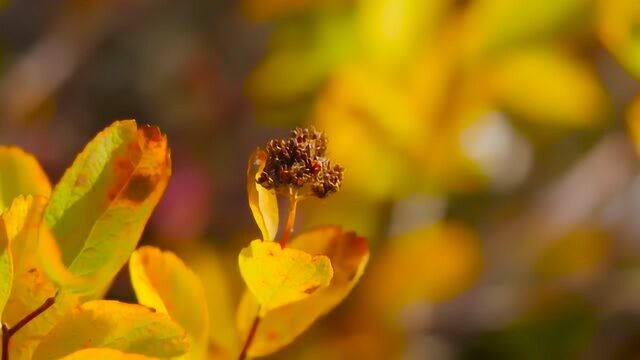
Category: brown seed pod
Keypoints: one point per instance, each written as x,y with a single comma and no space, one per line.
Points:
298,165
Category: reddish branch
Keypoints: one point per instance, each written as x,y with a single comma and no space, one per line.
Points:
247,343
7,332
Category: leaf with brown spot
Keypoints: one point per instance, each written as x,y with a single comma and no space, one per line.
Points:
99,209
110,324
348,253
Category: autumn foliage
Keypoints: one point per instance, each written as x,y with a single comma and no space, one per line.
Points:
63,247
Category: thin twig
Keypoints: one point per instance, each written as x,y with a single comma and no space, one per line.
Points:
252,333
291,219
7,332
5,342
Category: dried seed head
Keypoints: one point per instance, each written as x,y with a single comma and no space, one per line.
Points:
298,164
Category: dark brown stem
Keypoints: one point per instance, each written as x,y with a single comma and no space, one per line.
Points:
252,333
291,219
7,333
5,342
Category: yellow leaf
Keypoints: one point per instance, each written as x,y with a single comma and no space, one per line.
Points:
115,325
393,30
277,276
429,264
212,267
162,281
99,209
104,354
263,202
30,286
348,253
358,104
618,22
9,223
20,174
570,93
495,26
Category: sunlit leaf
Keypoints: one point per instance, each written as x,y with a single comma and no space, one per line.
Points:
163,282
30,287
104,354
263,202
111,324
98,210
393,30
277,276
494,26
442,260
20,174
618,24
213,268
11,219
570,95
348,254
357,105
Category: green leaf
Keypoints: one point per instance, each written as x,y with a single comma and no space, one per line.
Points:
111,324
99,209
277,276
348,253
162,281
20,174
263,202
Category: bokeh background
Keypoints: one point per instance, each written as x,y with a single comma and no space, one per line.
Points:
488,147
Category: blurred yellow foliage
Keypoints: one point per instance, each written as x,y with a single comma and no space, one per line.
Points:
618,24
431,264
579,256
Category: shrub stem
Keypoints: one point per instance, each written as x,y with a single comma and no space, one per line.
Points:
250,336
7,332
291,219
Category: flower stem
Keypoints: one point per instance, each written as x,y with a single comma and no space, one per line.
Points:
252,333
5,342
7,332
291,219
